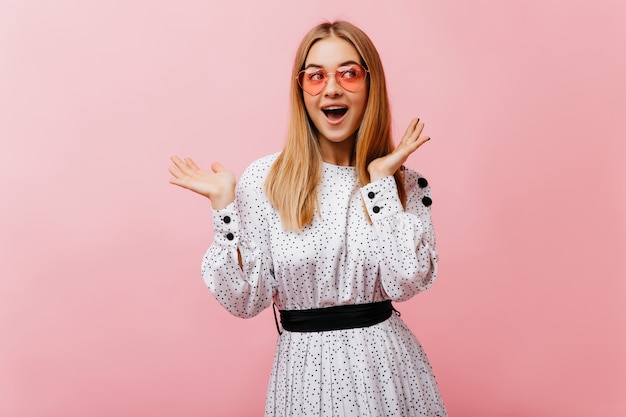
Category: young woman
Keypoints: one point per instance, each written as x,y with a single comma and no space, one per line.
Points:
330,231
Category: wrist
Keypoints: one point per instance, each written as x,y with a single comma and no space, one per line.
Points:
222,202
378,175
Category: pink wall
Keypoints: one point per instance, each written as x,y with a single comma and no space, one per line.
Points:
103,311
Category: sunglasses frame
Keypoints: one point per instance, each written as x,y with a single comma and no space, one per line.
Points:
329,74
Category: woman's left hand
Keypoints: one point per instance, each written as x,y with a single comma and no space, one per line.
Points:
387,165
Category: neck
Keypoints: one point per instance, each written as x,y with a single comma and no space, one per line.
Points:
338,153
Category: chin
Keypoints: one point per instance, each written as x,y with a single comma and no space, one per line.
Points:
339,138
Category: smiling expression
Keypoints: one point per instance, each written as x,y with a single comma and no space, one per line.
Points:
335,112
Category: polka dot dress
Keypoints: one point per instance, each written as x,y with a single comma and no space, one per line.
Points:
340,258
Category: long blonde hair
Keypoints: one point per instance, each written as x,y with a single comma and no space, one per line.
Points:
291,184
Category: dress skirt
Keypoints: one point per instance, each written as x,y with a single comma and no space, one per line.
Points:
380,370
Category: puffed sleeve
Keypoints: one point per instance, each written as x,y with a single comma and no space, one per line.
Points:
241,231
408,258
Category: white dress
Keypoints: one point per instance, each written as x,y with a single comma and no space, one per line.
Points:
341,258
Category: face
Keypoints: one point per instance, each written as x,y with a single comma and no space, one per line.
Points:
336,112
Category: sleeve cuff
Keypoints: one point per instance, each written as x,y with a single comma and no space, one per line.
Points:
381,198
226,225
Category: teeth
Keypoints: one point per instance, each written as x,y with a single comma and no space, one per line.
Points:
334,108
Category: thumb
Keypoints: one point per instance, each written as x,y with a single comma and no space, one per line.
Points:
217,167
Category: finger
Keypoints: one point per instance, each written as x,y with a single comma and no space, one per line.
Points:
411,128
183,183
176,159
175,171
423,140
419,143
413,124
176,181
191,164
413,131
413,139
411,147
419,127
178,177
180,164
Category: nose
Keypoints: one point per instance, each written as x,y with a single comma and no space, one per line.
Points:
332,88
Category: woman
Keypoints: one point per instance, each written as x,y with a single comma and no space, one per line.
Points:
330,231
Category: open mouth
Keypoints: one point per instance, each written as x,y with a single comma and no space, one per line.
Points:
335,112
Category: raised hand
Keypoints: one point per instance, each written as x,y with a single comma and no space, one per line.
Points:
389,164
218,185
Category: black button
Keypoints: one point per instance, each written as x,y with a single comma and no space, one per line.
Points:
376,209
230,236
226,219
371,194
427,201
422,182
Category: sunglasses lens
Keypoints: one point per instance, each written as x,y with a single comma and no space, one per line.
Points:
312,81
351,78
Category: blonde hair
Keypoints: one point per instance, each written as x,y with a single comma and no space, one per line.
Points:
291,184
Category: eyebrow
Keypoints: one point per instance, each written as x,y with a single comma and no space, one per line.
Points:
340,65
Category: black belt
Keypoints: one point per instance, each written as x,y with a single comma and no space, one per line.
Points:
336,317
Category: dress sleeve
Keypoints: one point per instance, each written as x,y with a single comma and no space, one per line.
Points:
408,258
241,232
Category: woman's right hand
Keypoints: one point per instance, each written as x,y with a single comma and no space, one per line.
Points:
218,185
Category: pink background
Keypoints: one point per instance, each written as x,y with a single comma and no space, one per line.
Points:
103,311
